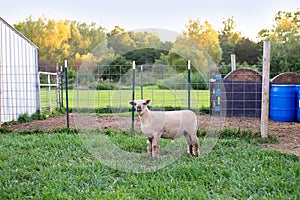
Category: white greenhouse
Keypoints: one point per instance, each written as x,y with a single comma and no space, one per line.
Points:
19,74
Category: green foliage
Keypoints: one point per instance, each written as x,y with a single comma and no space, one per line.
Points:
5,130
177,82
105,85
38,115
198,82
285,43
206,37
228,38
247,51
24,118
55,165
232,42
180,82
113,68
247,135
145,55
71,76
59,40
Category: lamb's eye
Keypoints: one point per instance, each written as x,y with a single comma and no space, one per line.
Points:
144,104
134,104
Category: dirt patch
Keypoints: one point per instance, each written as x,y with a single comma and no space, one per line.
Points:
288,133
244,74
287,78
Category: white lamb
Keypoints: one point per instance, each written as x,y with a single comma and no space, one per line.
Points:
169,124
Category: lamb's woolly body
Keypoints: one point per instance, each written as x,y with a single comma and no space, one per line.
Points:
171,124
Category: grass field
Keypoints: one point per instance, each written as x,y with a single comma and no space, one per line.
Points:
56,165
120,98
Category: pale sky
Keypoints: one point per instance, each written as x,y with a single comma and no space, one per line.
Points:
250,16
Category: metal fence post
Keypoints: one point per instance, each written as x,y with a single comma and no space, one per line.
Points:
133,88
67,95
189,84
142,95
61,86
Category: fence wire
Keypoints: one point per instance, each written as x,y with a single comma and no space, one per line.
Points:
106,90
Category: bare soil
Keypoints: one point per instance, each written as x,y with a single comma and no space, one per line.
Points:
288,133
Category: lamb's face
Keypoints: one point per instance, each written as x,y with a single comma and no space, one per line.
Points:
140,105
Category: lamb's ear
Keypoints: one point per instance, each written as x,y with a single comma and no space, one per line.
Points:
148,101
131,103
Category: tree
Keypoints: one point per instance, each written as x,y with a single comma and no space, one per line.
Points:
285,42
186,48
142,47
59,40
206,37
199,44
247,51
228,38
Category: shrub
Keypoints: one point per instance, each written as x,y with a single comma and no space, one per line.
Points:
177,82
25,118
105,85
198,82
38,115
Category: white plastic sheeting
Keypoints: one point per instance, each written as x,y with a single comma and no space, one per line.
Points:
19,74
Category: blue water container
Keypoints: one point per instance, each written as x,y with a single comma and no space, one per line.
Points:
298,102
283,105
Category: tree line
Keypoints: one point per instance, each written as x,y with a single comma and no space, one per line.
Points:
91,44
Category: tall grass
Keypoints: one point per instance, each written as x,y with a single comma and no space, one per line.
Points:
57,165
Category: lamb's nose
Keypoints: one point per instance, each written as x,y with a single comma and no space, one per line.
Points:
139,109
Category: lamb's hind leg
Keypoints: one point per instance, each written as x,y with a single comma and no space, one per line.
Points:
195,148
189,143
192,143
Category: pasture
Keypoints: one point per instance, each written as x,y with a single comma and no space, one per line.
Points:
81,98
56,165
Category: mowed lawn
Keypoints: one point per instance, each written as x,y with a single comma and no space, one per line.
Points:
57,165
120,98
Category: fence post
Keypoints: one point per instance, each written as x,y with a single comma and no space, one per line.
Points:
133,88
67,95
264,126
233,66
61,87
49,93
189,84
142,95
58,97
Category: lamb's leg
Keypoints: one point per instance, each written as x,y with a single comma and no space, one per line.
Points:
189,142
155,146
196,150
149,147
192,143
190,149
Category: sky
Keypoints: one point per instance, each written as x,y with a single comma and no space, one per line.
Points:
250,16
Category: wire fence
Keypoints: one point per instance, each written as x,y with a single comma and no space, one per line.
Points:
106,90
110,90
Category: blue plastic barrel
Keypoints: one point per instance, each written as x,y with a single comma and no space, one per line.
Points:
283,106
298,102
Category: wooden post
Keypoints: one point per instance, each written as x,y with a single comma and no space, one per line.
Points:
233,66
264,126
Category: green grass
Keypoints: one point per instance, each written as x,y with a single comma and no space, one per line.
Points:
57,165
119,98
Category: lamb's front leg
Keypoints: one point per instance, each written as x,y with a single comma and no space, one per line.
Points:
149,147
155,145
